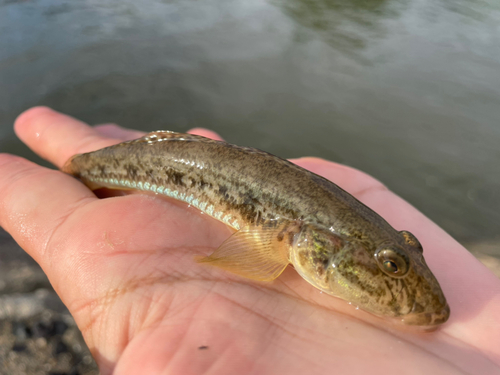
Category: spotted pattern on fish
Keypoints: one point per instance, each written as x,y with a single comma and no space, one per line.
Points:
333,239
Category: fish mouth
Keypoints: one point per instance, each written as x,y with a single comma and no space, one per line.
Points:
427,319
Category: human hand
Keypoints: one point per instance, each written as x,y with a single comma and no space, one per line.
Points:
124,268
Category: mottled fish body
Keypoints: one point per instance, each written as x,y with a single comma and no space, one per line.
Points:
282,214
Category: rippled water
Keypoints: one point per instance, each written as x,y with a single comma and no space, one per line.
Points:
408,91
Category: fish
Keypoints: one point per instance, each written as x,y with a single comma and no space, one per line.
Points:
281,214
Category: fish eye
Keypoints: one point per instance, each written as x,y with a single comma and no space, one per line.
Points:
390,266
393,261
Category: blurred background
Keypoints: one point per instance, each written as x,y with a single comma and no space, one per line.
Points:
405,90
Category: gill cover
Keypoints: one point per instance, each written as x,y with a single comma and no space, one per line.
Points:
389,281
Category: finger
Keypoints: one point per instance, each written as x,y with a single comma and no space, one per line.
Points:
118,132
399,213
56,137
206,133
34,201
371,192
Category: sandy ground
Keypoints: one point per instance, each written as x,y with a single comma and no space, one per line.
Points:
38,336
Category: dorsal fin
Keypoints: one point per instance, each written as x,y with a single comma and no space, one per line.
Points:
165,135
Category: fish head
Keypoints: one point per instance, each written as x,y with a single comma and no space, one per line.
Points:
389,280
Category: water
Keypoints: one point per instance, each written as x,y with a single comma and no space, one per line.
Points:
408,91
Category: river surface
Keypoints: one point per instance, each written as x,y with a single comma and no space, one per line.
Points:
405,90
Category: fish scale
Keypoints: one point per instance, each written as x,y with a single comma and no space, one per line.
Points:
282,214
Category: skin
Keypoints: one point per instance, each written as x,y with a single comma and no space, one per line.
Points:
331,238
124,267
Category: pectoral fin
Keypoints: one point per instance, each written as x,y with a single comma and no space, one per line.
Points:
254,252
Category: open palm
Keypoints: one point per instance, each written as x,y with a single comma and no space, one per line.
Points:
124,267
